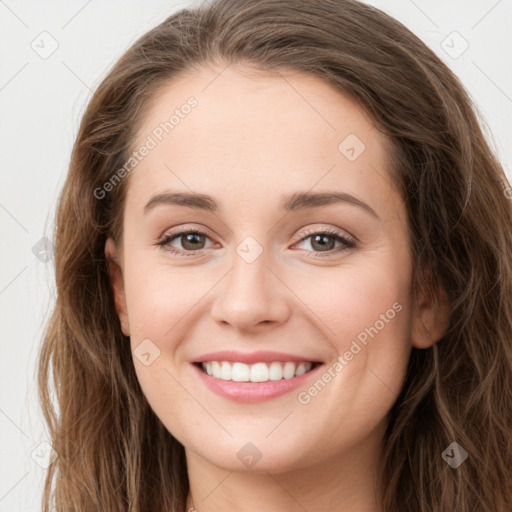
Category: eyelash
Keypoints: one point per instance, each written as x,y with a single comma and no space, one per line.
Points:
348,242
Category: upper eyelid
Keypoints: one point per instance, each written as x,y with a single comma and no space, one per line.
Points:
178,230
204,231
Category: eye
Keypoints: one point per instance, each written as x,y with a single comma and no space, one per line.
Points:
192,242
325,240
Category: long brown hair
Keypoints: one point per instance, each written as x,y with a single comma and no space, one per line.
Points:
113,452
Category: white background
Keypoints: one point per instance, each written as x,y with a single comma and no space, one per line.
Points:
42,101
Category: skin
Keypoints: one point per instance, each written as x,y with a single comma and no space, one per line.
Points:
252,137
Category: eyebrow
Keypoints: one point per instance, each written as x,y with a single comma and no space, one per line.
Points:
289,202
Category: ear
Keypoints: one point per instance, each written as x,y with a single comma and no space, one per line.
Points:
117,284
431,315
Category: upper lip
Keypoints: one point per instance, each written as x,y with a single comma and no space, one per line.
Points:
252,357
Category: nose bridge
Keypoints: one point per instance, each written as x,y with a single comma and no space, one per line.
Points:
250,263
251,294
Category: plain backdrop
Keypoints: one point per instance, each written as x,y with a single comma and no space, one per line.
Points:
54,54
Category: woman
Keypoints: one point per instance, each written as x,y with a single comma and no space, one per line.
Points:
283,275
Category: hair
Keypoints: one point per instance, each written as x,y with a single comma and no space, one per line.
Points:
113,451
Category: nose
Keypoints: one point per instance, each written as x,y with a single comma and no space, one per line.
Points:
252,297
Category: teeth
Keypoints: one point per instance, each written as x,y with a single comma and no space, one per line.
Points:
258,372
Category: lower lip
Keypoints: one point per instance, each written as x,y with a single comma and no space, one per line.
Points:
249,392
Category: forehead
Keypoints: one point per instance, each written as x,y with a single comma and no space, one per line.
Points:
252,136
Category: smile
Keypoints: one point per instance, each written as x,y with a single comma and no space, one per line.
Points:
266,385
257,372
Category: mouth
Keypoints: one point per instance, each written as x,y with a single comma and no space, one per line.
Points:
257,372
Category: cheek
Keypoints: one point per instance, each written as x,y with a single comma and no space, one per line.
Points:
351,299
365,317
159,296
160,303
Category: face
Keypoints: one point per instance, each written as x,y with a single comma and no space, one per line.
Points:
325,280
